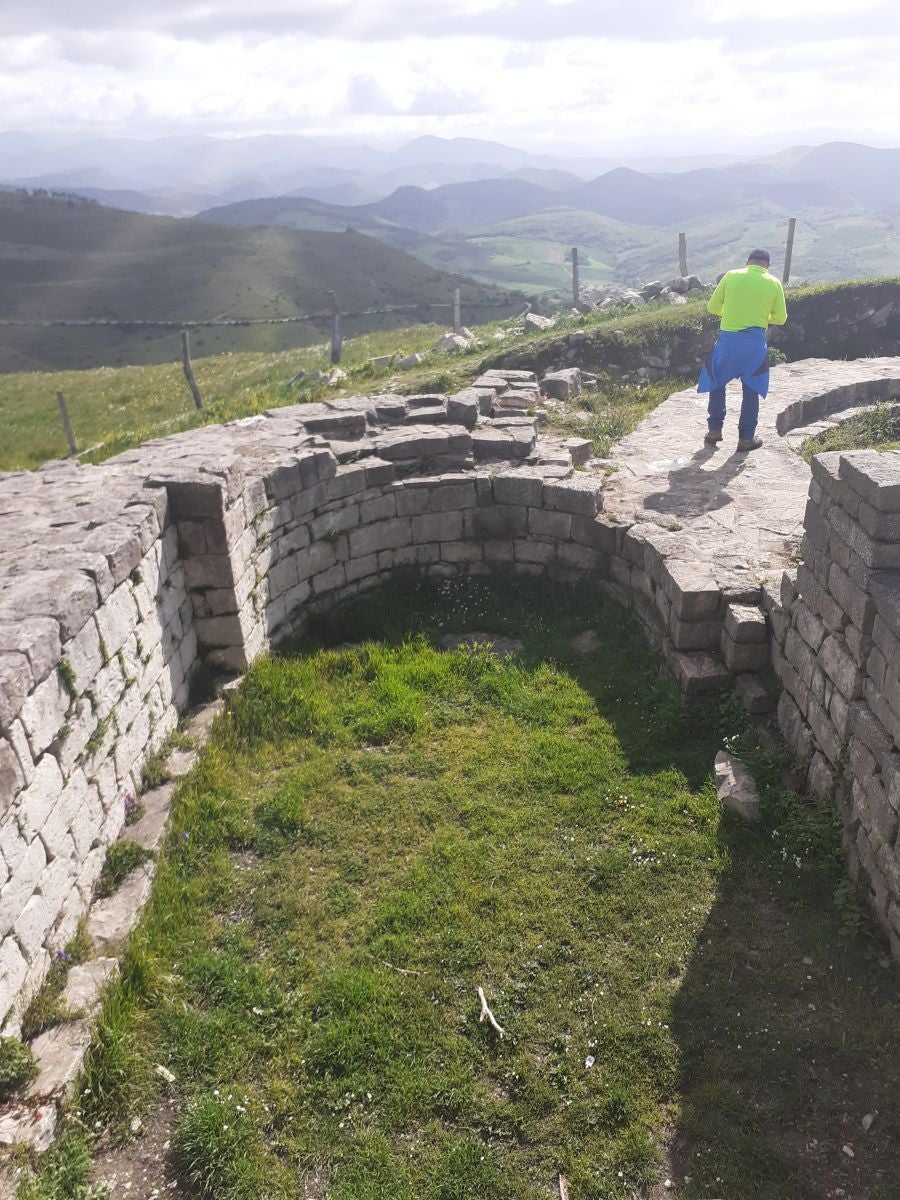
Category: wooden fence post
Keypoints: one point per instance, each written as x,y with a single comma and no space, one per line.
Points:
337,337
67,424
188,369
457,317
789,250
682,254
576,282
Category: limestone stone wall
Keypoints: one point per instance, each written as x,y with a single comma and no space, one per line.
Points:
96,647
836,648
118,581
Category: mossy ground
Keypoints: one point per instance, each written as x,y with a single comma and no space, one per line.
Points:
378,828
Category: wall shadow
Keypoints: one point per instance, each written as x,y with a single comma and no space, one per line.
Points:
788,1037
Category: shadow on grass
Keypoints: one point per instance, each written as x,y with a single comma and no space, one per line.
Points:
786,1020
788,1025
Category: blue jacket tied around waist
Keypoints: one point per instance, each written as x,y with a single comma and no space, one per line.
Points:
744,355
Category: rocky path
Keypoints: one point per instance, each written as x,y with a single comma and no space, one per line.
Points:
744,512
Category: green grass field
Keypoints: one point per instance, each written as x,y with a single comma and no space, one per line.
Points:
376,830
115,409
61,260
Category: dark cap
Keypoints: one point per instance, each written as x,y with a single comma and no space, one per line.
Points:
759,256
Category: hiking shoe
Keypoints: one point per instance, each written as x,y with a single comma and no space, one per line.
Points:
745,444
713,436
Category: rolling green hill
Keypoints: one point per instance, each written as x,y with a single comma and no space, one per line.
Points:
63,260
534,252
518,232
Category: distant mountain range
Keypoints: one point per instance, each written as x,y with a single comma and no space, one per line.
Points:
179,176
502,216
516,230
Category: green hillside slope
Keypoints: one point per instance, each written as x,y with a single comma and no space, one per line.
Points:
66,260
534,252
514,233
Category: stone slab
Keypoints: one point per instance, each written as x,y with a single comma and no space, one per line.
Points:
85,984
59,1054
112,919
735,787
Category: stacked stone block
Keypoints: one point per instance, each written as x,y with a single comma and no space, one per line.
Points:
211,546
836,632
95,654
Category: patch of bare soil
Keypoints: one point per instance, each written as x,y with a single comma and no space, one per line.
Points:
142,1169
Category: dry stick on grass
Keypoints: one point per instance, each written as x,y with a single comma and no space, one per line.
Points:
391,967
487,1015
563,1188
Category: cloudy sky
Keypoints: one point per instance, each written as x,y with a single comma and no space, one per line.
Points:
598,75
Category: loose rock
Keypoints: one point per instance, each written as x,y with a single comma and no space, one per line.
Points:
736,788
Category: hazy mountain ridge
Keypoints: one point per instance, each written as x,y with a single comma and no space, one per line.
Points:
223,170
477,226
512,230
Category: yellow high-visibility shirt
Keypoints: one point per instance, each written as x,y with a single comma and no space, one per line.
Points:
748,298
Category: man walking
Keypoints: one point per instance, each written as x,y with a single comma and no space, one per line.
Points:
748,301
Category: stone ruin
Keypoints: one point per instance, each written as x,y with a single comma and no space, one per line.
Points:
120,580
604,296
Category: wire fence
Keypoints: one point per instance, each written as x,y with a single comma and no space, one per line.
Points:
212,322
333,316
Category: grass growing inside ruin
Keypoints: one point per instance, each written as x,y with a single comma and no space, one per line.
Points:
878,429
377,829
610,412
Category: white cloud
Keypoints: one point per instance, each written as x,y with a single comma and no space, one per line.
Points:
394,20
648,75
366,95
443,102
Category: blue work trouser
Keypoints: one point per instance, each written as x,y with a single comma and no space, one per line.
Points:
749,411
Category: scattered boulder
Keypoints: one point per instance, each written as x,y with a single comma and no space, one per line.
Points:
383,360
679,284
651,290
581,450
736,788
452,341
610,295
614,295
536,321
411,360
